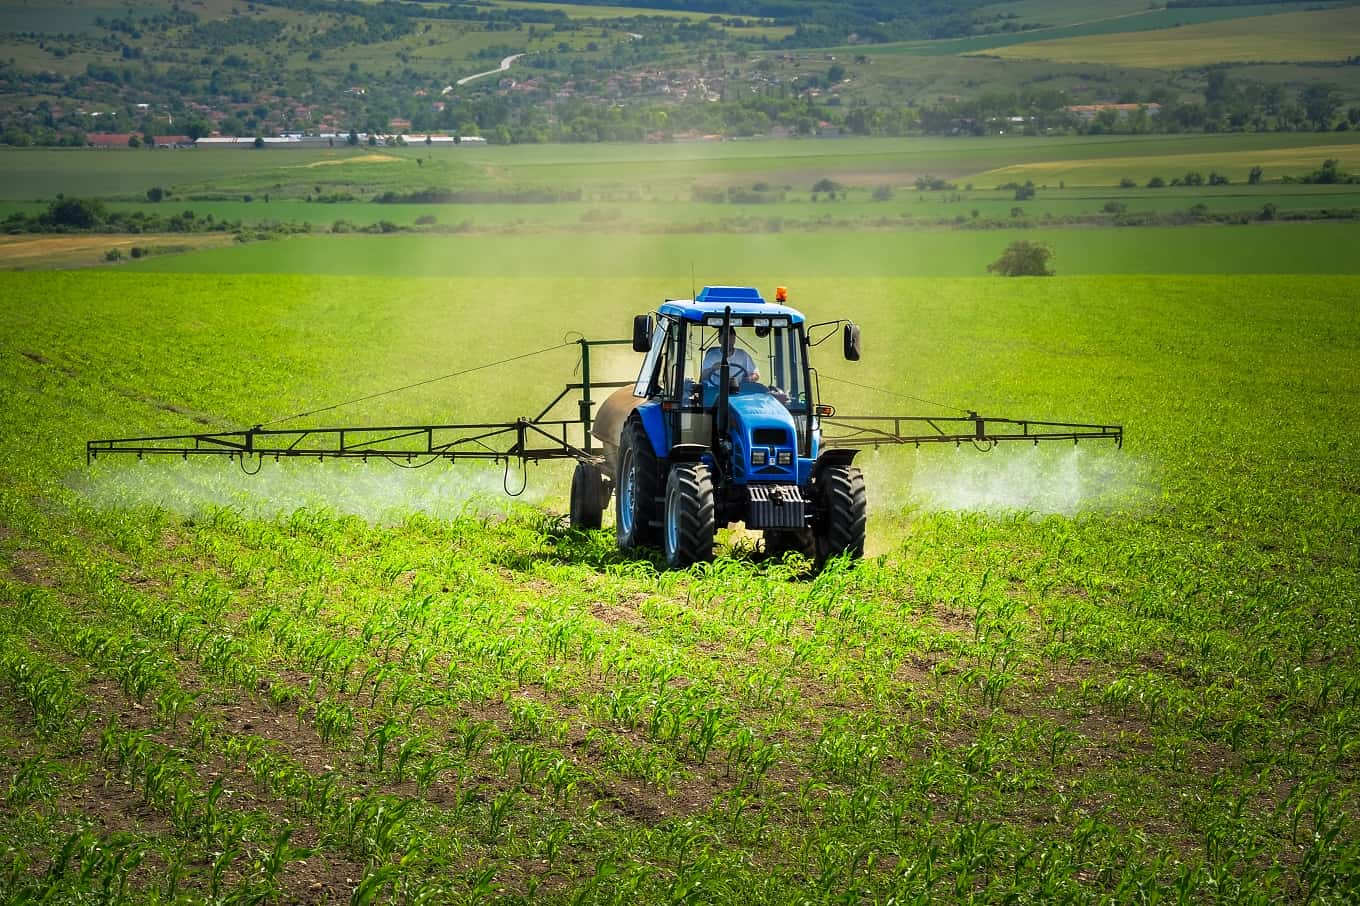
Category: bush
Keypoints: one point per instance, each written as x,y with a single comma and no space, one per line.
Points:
155,194
136,251
1023,258
426,220
1217,179
1156,182
1267,211
1254,177
1193,178
1127,183
1025,192
934,184
75,213
1114,207
883,193
113,255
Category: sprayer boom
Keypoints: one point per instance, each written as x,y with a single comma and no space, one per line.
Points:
860,431
524,439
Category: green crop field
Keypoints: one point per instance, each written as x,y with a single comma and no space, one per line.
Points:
1321,35
1285,248
1063,675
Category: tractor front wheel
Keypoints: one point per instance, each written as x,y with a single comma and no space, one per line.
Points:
689,515
588,497
841,505
635,489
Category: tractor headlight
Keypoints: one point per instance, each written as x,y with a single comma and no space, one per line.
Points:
757,457
784,457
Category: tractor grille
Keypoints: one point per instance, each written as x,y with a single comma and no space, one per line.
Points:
776,506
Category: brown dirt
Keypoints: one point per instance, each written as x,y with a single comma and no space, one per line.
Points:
32,568
39,251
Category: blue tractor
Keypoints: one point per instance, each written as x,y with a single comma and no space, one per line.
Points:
723,426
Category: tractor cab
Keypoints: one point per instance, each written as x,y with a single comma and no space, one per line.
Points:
731,357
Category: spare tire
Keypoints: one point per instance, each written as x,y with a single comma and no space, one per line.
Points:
588,497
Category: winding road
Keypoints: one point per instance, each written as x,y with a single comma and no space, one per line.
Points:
505,64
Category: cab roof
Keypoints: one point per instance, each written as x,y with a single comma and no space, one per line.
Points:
745,301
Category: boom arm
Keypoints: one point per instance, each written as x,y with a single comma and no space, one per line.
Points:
524,439
882,430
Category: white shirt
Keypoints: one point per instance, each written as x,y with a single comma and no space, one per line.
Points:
737,359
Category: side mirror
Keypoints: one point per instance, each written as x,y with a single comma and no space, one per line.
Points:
642,333
851,338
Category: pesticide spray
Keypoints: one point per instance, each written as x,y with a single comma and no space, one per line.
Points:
1018,478
380,493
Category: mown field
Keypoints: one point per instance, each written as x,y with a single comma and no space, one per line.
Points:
1295,36
1118,675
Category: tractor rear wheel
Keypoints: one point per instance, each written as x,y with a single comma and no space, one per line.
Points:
689,515
635,489
841,505
588,497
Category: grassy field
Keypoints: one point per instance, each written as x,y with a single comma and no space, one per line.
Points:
319,684
1292,249
1321,35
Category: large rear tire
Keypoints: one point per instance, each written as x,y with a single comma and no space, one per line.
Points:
689,515
588,497
841,505
635,490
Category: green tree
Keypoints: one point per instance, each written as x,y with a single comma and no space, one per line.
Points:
1024,258
1320,101
1254,177
75,213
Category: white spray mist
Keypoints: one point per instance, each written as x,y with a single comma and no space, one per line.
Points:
377,491
1045,479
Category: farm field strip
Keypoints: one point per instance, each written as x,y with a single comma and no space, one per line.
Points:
1296,36
907,206
645,169
772,257
1116,23
1235,165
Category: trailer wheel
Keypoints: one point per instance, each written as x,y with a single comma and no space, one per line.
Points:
588,497
635,490
689,515
779,542
840,497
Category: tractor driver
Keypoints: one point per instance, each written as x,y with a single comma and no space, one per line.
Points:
743,367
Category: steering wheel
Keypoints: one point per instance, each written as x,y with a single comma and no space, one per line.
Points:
737,373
